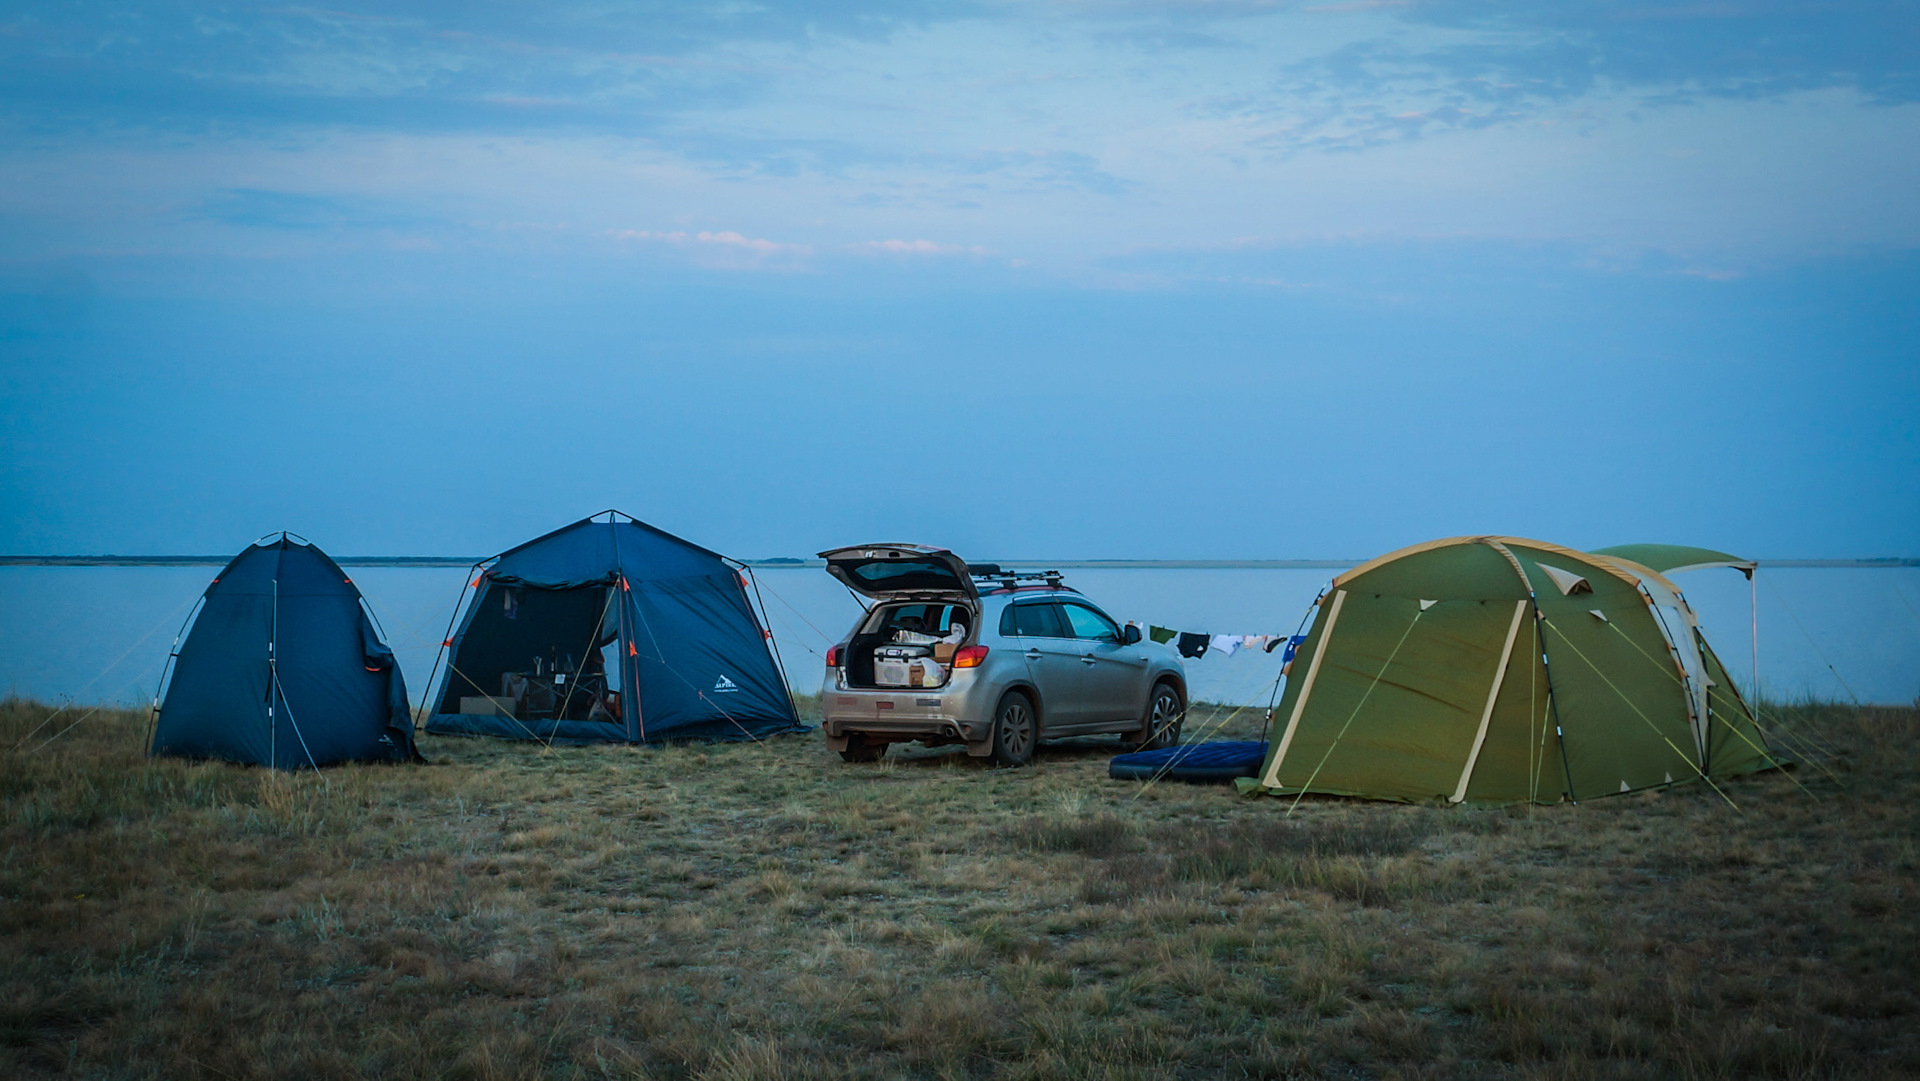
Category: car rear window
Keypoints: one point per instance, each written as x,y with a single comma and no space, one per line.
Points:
886,571
1034,620
935,619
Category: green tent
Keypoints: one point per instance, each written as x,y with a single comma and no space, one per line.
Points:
1502,670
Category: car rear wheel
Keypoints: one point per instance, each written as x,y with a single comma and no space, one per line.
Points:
861,749
1166,712
1015,730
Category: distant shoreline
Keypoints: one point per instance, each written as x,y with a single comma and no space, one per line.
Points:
775,564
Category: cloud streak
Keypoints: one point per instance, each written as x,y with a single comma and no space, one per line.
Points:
1058,135
723,249
917,247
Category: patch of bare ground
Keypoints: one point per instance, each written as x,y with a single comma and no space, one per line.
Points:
766,911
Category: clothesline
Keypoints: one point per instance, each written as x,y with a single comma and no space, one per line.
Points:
1197,644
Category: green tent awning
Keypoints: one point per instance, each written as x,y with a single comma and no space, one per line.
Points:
1667,558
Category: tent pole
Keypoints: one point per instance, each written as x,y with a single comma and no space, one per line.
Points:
1553,700
273,679
1553,703
1534,765
446,643
630,703
629,689
766,619
593,643
1274,699
1753,611
173,654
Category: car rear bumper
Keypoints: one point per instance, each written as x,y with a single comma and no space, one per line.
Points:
955,713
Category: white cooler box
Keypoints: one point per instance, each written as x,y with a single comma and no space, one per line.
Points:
906,666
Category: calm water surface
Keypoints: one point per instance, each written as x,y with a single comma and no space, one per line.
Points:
101,634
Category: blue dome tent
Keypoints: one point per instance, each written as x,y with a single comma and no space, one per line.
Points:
284,667
609,630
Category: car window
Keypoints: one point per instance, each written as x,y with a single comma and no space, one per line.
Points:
1087,623
934,619
1033,620
911,617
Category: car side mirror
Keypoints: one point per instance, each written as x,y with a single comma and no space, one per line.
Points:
1129,634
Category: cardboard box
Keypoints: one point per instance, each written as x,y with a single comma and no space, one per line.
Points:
943,652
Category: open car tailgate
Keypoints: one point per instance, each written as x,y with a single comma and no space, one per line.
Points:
898,571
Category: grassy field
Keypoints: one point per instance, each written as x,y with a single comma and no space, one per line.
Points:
744,912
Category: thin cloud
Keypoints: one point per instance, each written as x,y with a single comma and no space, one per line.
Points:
723,249
754,244
918,247
1357,5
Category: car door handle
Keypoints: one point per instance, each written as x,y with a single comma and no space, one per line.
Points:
1033,654
1088,658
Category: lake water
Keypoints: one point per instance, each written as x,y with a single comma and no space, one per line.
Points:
101,634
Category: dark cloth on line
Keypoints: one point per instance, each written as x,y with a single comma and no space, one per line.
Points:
1193,645
1291,643
1162,635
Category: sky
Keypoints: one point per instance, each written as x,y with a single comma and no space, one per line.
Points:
1185,280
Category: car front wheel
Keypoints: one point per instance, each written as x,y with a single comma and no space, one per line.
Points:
1166,711
1015,730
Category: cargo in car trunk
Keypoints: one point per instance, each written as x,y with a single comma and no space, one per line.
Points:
908,645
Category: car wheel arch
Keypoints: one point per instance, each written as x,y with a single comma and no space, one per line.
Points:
1032,694
1174,680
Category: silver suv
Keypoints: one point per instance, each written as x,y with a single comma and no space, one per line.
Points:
994,660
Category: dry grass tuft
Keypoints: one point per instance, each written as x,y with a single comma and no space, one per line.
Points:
747,912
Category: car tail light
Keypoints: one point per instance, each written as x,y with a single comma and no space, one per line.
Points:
969,656
833,657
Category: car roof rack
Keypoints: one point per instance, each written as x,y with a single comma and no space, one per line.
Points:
1011,579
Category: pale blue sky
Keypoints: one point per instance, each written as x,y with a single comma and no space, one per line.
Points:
1204,279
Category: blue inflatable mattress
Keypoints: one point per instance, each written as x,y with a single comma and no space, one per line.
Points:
1201,762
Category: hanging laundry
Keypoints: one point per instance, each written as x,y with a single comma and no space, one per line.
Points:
1193,645
1162,635
1255,641
1293,646
1225,644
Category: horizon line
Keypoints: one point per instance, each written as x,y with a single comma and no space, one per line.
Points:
778,562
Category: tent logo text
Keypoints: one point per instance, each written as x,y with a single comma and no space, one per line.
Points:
724,685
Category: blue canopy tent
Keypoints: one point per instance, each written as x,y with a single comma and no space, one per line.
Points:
284,667
609,630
